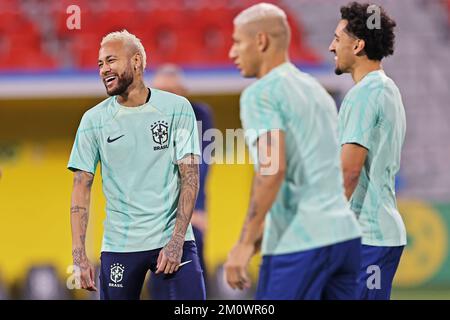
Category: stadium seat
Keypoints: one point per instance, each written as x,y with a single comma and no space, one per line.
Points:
9,6
211,34
164,38
84,49
191,33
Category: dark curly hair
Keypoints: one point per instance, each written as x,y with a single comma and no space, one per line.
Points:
379,43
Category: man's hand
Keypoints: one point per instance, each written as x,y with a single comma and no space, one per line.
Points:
236,266
86,270
169,257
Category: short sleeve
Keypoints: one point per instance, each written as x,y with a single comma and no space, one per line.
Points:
260,113
359,118
186,138
85,150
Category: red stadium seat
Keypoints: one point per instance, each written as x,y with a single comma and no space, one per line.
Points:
211,31
194,33
9,6
84,49
26,60
165,39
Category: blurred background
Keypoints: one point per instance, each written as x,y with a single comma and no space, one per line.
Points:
49,78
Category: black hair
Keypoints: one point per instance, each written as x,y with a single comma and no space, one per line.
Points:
379,42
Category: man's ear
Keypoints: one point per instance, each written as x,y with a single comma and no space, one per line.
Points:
137,59
262,39
358,49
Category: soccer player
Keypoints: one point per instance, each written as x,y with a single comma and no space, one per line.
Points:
371,132
311,242
169,77
147,143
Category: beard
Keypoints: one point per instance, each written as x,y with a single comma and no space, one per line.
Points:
123,82
338,71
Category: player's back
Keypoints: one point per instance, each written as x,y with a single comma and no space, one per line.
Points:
310,210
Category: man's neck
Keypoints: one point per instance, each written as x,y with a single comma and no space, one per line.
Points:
362,68
272,63
134,96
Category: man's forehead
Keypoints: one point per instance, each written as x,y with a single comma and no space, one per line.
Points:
237,30
341,26
113,47
246,29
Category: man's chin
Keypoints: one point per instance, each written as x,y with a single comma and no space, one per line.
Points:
113,91
338,71
247,74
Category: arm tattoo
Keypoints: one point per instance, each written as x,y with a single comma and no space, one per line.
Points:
189,173
80,259
174,247
80,216
81,177
84,218
77,209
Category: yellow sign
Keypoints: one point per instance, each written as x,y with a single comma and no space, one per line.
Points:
427,244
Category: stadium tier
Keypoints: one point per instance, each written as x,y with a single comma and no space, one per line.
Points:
34,34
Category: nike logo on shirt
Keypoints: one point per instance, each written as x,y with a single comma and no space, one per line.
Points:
112,140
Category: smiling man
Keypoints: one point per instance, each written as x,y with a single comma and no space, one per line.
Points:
310,238
147,143
372,129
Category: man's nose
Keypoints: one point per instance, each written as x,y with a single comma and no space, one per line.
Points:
331,47
105,69
232,53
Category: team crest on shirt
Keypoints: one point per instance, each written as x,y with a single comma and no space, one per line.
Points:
160,134
116,275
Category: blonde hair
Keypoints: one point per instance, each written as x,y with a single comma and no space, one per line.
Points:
129,39
258,12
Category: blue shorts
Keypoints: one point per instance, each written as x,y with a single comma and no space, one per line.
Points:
329,272
152,286
378,267
122,276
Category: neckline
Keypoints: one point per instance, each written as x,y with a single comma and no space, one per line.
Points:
140,107
371,73
279,67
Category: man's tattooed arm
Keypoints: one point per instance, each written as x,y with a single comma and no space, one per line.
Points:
189,173
79,216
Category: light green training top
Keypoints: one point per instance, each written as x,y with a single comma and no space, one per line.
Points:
372,115
138,149
310,210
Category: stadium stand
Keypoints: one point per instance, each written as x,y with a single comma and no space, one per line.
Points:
185,32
